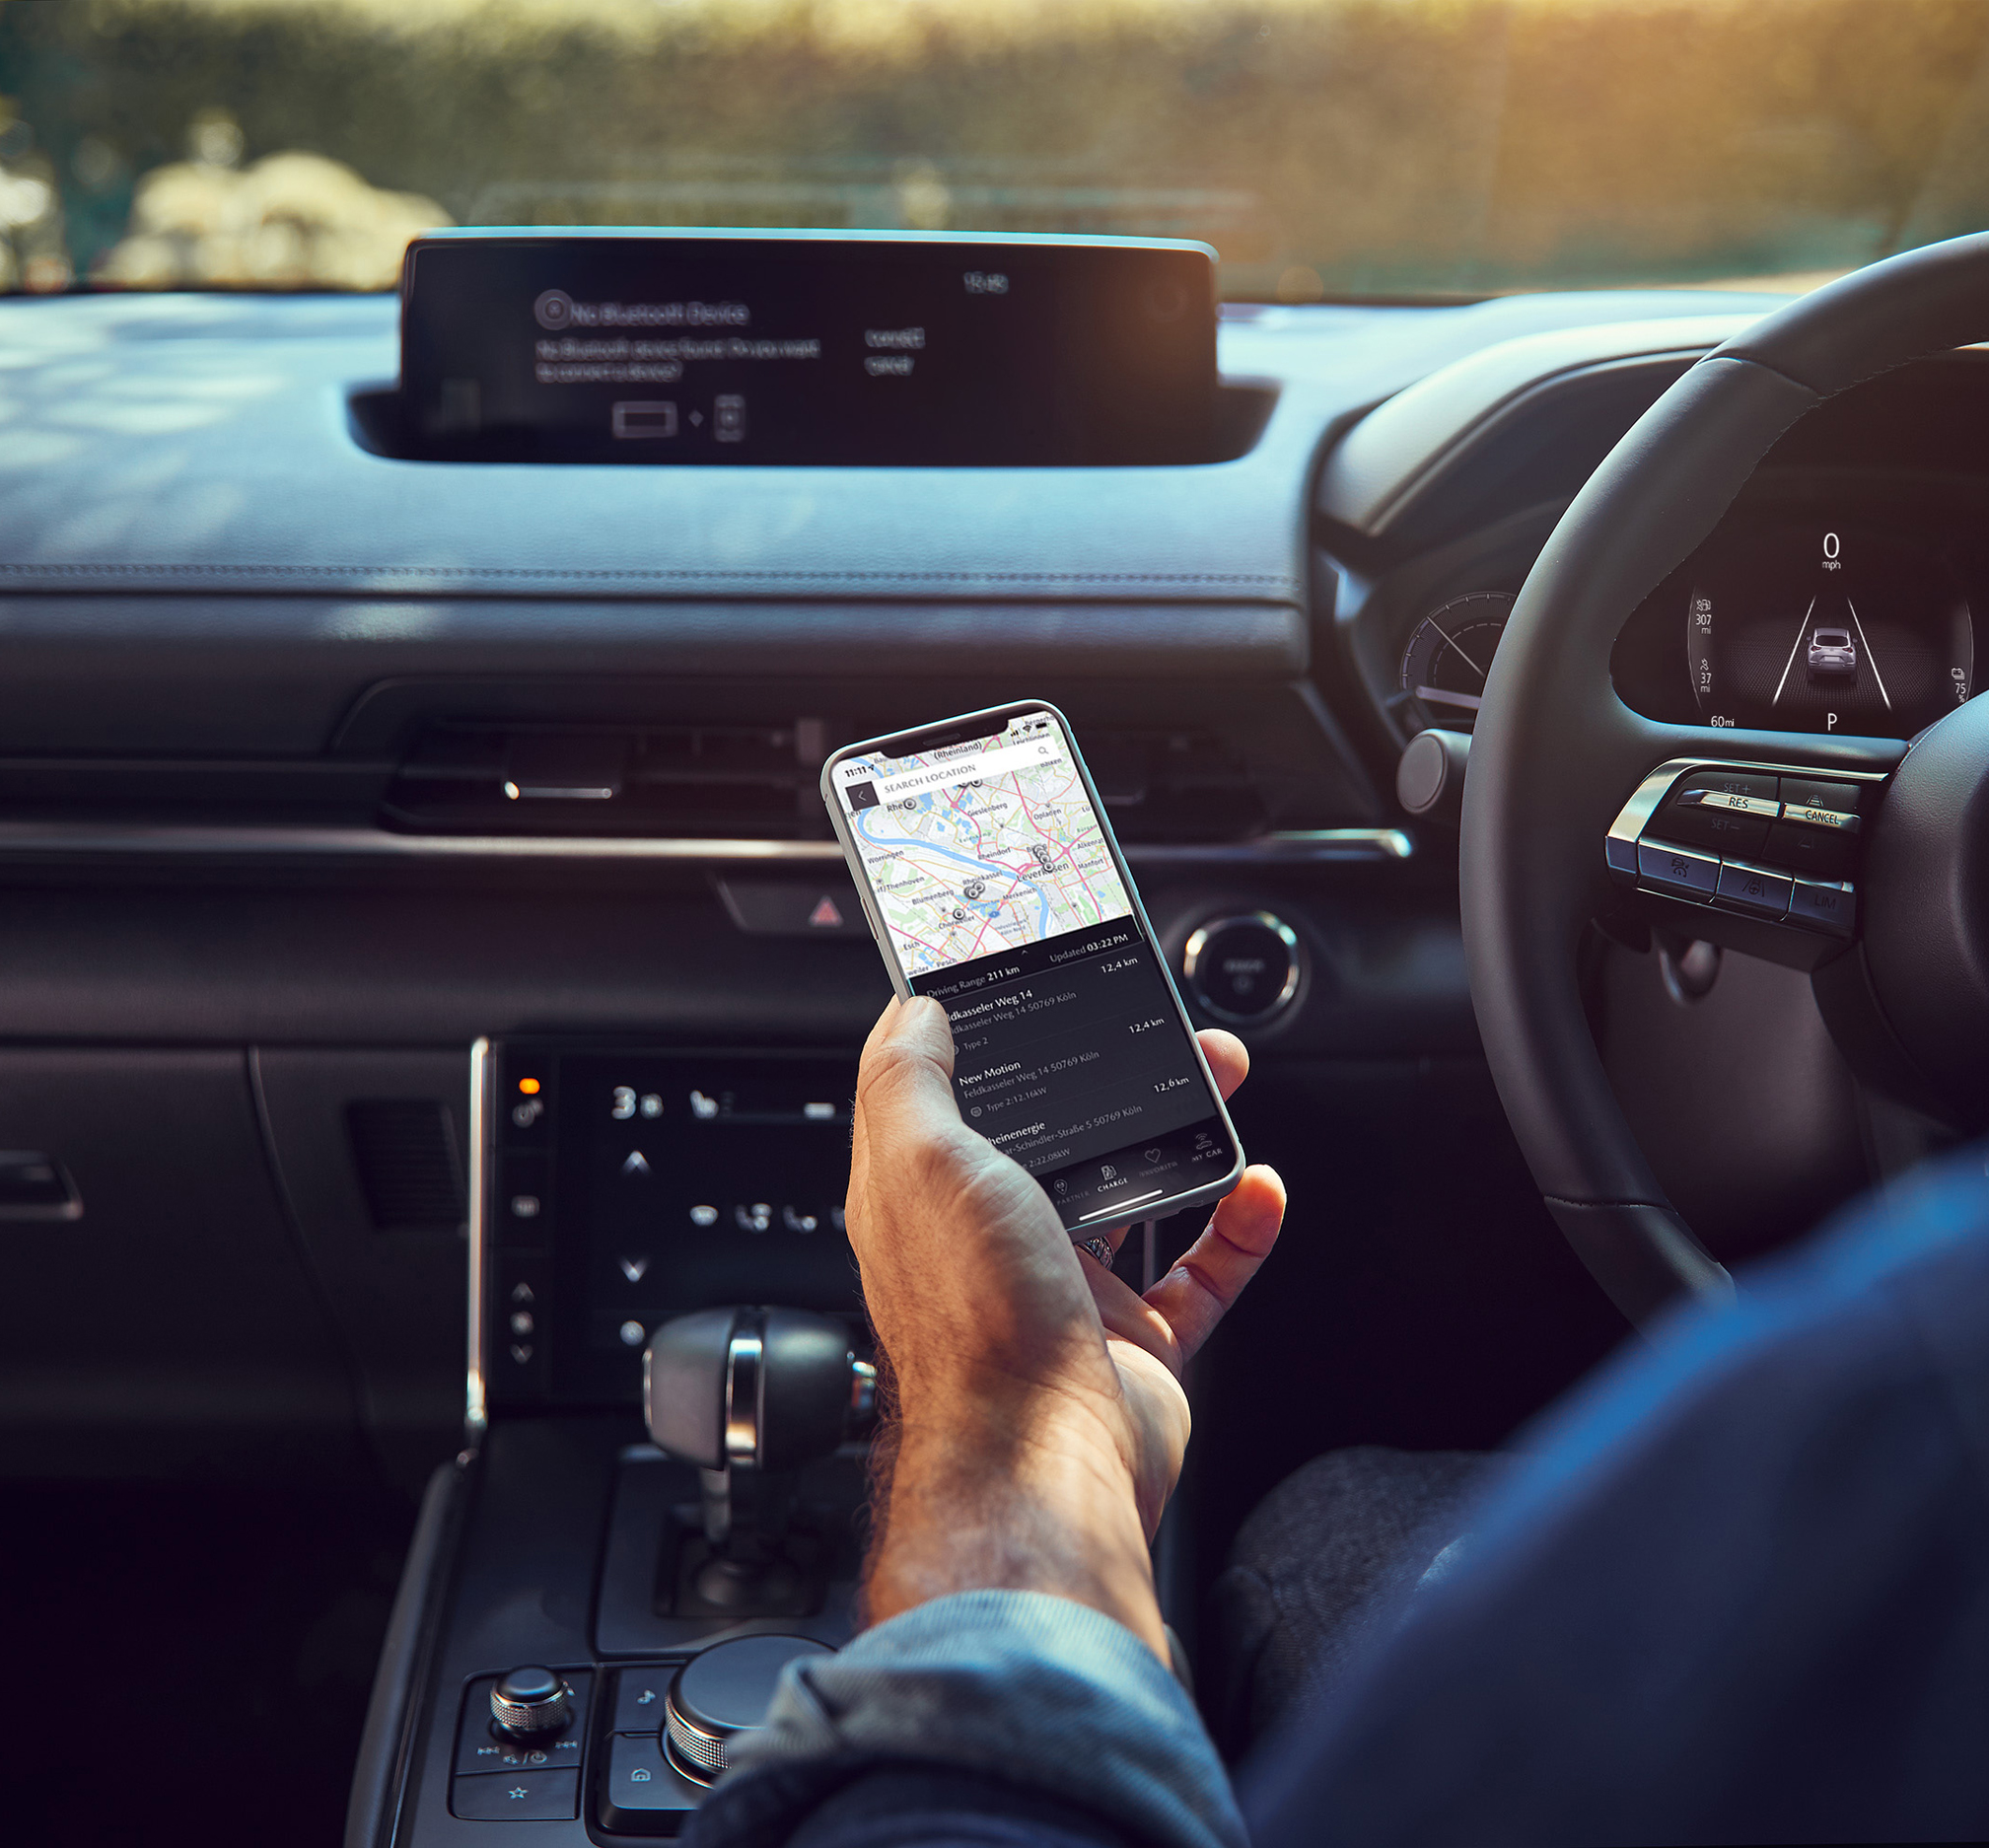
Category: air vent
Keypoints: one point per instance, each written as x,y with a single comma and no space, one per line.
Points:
1176,785
406,1154
677,781
1256,771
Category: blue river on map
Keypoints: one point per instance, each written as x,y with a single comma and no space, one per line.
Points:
862,819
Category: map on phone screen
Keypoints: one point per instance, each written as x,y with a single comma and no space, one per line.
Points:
982,846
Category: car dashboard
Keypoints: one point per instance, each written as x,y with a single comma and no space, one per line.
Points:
322,766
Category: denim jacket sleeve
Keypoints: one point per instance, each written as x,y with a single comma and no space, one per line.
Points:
1036,1692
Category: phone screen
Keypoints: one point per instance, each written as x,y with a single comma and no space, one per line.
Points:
996,882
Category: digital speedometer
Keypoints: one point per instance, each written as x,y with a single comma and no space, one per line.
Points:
1824,628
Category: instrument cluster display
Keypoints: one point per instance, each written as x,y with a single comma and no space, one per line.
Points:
1820,627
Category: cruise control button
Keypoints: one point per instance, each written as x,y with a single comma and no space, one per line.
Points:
1709,779
1723,830
1755,888
1737,805
1815,852
1807,792
1674,869
1832,905
1836,819
516,1797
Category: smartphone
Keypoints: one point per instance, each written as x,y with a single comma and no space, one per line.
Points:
993,883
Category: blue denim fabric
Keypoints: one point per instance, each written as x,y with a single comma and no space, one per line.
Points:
1738,1591
1037,1693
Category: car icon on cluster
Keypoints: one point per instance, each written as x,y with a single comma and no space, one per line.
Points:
1832,654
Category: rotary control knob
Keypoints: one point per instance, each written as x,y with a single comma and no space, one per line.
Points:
722,1694
530,1703
1243,969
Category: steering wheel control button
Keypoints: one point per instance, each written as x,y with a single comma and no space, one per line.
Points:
1763,806
529,1702
1831,906
516,1797
1755,888
1806,832
1710,783
1835,820
1728,811
722,1694
1677,868
1722,829
1243,969
640,1786
1813,852
1805,792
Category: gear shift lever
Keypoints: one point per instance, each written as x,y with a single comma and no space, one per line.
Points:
762,1389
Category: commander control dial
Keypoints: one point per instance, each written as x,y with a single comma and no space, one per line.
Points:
530,1703
1245,968
721,1696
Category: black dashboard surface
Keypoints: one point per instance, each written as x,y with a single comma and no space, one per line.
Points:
198,555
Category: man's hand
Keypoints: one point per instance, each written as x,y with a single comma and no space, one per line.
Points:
1040,1415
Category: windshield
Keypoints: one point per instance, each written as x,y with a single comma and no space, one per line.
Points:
1326,148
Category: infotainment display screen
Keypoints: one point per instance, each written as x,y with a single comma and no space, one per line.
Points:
625,1185
800,348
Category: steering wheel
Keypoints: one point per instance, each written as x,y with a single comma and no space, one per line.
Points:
1559,763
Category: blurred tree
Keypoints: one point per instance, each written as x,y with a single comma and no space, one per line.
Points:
1339,145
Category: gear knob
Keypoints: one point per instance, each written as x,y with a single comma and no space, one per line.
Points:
769,1387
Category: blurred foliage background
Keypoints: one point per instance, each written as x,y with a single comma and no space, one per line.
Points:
1325,147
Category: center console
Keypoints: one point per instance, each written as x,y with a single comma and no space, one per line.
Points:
623,1185
590,1615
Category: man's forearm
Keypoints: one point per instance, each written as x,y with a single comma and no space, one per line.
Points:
1045,1509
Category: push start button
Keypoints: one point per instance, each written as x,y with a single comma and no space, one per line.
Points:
1243,968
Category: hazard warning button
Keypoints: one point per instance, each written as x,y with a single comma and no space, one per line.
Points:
786,907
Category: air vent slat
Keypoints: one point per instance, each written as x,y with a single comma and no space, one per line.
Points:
667,780
691,781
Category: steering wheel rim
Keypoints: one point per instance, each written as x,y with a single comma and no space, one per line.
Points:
1555,753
